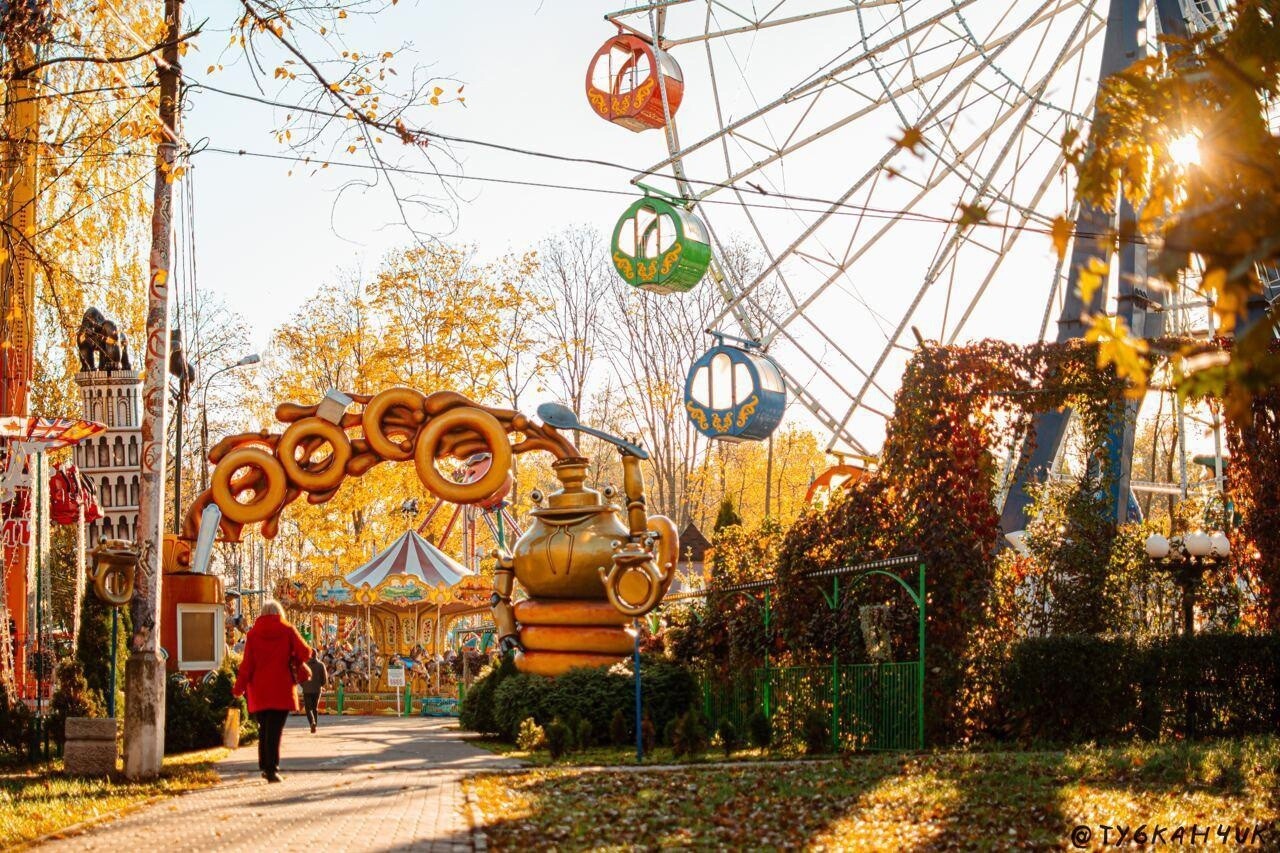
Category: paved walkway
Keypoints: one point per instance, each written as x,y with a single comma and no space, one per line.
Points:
359,784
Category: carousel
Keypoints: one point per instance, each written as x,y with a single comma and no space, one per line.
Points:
398,608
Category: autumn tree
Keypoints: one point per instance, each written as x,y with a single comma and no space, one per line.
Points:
430,318
1214,205
574,277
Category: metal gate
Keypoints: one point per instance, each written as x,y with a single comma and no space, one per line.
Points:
869,706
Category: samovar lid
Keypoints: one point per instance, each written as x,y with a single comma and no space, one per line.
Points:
574,497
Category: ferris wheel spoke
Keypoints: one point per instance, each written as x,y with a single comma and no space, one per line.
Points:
935,181
1073,46
796,92
1005,250
749,324
958,234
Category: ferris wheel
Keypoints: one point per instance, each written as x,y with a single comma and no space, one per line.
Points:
898,163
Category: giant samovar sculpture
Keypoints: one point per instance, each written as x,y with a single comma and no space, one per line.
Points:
587,565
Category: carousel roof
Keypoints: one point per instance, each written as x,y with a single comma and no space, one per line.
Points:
414,556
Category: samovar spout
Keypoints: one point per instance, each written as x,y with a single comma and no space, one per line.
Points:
644,566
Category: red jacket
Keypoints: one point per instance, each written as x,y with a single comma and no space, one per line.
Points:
264,673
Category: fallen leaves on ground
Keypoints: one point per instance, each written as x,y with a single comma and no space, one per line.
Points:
40,800
936,801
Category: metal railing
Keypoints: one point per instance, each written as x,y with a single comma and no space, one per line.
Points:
865,706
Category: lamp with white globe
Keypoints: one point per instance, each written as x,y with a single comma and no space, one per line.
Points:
1219,544
1187,558
1157,546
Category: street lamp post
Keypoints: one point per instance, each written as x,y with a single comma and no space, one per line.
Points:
251,358
1187,558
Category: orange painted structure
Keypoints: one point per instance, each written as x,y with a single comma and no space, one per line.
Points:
192,603
601,564
623,83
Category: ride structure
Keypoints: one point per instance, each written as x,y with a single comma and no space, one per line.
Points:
400,603
588,566
890,173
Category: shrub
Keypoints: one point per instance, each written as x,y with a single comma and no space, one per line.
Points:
476,713
669,734
648,734
760,729
189,720
93,647
196,713
517,697
557,738
689,736
500,700
619,731
669,689
583,735
729,738
15,723
817,732
531,735
1070,688
589,694
1081,688
73,698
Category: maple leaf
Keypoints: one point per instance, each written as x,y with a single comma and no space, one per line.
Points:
1118,347
972,214
911,137
1061,234
1090,278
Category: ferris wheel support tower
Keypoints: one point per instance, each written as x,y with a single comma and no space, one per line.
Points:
1137,306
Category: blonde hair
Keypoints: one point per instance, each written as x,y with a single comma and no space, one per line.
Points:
271,607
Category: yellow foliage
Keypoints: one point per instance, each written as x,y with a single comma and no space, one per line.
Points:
1091,278
1119,347
94,205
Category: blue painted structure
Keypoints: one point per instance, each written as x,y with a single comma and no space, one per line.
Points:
1140,308
735,392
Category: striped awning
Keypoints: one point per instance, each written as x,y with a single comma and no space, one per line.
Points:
414,556
48,433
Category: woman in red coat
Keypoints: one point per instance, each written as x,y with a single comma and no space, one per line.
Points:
274,655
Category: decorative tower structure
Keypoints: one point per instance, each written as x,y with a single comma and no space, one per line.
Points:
111,461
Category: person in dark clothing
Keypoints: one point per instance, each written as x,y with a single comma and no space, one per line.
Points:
274,656
311,689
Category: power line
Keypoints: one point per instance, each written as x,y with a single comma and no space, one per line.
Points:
844,209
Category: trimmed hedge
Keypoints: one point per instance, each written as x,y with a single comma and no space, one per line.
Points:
194,713
1084,688
500,701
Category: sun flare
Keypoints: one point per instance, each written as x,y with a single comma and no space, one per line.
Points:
1185,150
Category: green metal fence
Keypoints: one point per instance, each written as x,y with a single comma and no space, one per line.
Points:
868,706
871,706
353,702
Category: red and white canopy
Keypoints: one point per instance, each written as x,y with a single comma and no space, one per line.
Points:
410,555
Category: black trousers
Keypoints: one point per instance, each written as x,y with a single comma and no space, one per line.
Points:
310,702
270,729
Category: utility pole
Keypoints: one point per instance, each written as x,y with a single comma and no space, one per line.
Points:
181,370
22,25
145,671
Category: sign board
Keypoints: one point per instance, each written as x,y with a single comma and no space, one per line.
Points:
395,676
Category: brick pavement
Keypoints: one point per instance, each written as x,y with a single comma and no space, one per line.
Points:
359,784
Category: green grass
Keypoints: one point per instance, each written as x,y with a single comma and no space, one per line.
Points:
36,801
941,800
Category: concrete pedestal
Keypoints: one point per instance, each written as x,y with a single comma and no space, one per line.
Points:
143,715
90,748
